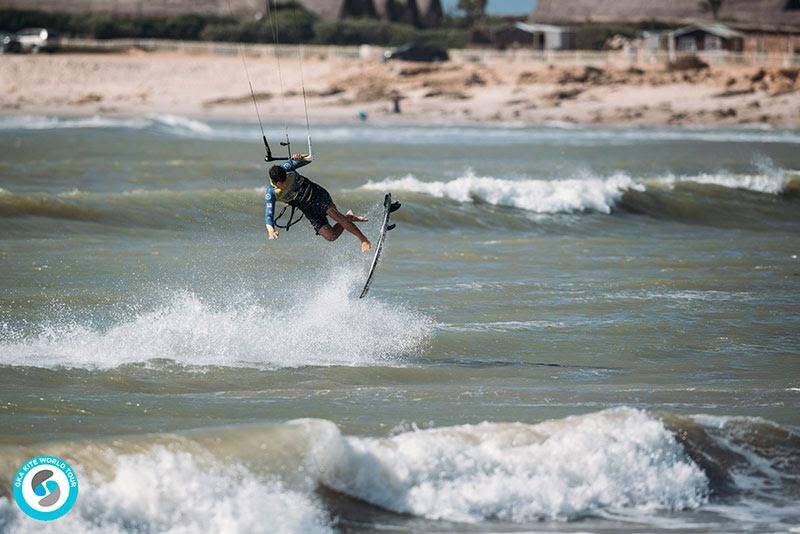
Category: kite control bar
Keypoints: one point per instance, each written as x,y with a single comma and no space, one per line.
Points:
269,157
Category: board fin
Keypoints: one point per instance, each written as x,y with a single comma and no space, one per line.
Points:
394,206
390,227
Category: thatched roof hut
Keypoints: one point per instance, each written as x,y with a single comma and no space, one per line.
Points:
142,7
750,12
417,12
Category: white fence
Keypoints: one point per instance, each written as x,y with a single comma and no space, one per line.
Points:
367,52
626,57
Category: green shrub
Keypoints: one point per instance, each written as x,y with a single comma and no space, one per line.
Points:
187,27
244,31
295,25
370,31
445,38
106,26
363,31
13,20
222,31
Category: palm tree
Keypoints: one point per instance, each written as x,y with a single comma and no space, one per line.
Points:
474,10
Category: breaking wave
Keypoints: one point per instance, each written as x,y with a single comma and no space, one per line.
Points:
168,491
570,195
759,183
622,463
566,469
712,199
243,333
540,196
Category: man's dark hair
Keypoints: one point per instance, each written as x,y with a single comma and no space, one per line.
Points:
277,174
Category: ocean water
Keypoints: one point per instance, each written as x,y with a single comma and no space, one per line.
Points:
572,330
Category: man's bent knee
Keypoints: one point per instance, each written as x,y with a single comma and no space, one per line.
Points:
327,232
335,214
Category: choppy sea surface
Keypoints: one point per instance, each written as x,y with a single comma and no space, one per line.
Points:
593,330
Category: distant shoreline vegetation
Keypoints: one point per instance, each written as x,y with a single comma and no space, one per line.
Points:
295,25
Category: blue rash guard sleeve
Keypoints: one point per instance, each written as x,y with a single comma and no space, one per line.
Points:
269,206
292,164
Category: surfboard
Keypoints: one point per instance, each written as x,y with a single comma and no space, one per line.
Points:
388,207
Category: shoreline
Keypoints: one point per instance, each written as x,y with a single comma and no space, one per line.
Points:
211,87
381,122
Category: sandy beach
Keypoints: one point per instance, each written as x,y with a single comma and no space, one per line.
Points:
212,86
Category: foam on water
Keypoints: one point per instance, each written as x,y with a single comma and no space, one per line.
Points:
32,122
182,125
586,193
176,492
616,460
552,134
540,196
760,183
326,326
172,124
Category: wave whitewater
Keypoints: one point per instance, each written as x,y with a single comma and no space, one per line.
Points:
241,333
410,134
163,490
724,200
173,124
567,469
539,196
591,193
621,463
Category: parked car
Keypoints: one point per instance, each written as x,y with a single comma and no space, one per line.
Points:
35,40
9,44
417,52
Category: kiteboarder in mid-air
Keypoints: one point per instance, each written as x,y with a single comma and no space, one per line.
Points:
292,188
298,192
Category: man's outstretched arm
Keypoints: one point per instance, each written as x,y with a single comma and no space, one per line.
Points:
297,161
269,211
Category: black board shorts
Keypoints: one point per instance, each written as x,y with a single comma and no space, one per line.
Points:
316,210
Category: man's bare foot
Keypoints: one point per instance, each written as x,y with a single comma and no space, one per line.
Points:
352,217
365,246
